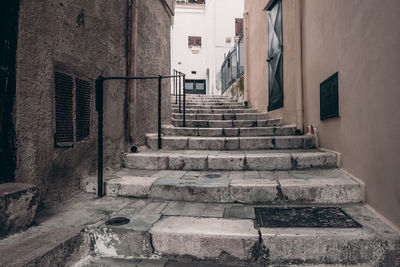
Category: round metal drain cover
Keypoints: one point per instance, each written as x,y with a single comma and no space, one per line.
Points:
117,221
213,175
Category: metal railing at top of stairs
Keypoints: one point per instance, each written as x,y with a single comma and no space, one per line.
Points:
100,110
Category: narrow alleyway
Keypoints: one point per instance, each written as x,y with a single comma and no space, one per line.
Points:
198,202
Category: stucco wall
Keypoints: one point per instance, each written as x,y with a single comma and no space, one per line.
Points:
256,53
50,39
361,40
152,58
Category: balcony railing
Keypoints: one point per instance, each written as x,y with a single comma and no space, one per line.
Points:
233,67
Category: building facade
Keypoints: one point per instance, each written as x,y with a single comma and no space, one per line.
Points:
332,64
202,34
56,51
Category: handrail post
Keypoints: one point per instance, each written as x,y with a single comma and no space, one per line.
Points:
176,87
99,107
180,87
159,112
184,100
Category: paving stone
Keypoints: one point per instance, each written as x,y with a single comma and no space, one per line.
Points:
169,174
239,212
204,238
236,175
251,175
194,209
269,162
226,162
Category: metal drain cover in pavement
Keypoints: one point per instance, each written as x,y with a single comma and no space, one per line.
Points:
117,221
213,175
312,217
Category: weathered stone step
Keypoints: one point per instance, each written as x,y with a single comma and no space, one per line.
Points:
225,233
173,101
207,106
229,132
232,160
215,111
204,96
231,143
227,123
331,186
228,116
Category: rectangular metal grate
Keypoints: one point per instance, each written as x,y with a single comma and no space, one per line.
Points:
63,103
329,98
82,109
311,217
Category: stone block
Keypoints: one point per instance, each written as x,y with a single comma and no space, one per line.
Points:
285,130
255,143
269,162
206,143
226,162
210,132
231,143
130,186
254,190
282,142
150,161
220,124
205,238
174,142
187,162
307,160
230,132
18,205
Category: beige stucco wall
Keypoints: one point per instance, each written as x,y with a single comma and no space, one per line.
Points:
256,53
361,40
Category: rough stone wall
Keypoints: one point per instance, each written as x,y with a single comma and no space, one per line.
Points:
152,57
81,37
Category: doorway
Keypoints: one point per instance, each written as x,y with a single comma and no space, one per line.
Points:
195,86
275,60
8,47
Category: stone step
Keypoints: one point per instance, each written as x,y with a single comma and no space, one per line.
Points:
231,143
217,102
226,233
207,106
215,111
228,116
232,160
319,186
227,123
170,130
204,96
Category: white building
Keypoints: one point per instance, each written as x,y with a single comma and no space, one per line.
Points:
203,32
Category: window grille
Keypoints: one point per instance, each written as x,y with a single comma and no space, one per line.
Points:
63,103
194,41
72,106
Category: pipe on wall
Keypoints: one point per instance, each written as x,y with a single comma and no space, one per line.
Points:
299,69
246,52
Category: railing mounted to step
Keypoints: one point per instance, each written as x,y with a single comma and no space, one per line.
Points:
100,110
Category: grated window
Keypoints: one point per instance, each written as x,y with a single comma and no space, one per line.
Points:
64,136
82,109
329,98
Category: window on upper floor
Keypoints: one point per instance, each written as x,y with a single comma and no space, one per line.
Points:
238,26
194,41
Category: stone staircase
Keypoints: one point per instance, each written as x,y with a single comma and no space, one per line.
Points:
194,199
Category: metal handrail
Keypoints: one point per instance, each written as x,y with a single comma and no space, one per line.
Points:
225,70
100,110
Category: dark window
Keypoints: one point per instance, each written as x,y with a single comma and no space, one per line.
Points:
63,101
238,26
329,98
66,87
194,41
82,109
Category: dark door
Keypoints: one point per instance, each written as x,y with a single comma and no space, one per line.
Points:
195,86
8,45
275,66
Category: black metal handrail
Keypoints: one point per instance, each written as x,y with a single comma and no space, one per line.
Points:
100,110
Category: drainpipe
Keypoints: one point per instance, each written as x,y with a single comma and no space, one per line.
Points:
132,67
299,69
246,53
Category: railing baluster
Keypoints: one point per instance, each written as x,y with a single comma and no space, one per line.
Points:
184,100
180,87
